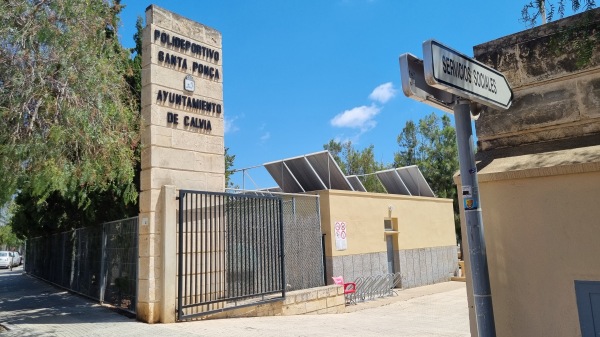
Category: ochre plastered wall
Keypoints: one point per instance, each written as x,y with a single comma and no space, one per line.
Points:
422,221
541,235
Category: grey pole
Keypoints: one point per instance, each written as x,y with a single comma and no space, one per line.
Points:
482,295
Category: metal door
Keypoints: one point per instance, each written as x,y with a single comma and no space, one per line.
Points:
390,253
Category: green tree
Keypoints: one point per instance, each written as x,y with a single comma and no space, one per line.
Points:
407,140
8,239
547,9
229,159
432,147
360,163
68,120
134,70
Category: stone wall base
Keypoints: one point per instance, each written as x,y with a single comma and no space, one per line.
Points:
320,300
417,267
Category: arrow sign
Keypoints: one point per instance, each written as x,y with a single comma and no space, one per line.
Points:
415,87
463,76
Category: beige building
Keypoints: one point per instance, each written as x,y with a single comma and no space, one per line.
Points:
539,179
385,233
407,231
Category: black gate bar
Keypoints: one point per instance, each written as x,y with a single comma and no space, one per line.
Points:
231,251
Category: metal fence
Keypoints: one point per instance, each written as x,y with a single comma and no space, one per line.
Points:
304,256
99,262
303,242
230,252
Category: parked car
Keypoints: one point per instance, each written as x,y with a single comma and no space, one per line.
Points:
9,259
19,258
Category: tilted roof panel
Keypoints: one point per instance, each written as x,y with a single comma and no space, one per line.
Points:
415,181
329,171
311,172
283,177
357,185
305,174
392,182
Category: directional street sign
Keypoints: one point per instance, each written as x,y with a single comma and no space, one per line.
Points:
463,76
415,87
453,82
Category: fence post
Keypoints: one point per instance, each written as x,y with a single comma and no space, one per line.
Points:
282,246
103,264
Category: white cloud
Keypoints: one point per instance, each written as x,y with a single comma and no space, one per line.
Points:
358,118
265,136
383,93
229,124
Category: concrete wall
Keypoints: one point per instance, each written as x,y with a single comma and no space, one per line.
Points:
539,178
417,267
423,266
423,236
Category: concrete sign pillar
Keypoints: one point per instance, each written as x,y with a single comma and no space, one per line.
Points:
183,145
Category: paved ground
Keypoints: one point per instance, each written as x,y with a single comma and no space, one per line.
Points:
30,307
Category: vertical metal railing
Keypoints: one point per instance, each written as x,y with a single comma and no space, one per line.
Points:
230,252
99,262
304,246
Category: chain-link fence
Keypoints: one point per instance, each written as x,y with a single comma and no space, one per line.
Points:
303,242
99,262
302,238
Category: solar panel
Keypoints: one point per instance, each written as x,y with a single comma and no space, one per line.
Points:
406,180
311,172
329,171
392,182
357,185
319,171
414,180
283,177
305,174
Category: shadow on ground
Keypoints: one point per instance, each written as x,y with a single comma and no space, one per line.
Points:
27,300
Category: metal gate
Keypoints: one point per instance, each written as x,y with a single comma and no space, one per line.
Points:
230,252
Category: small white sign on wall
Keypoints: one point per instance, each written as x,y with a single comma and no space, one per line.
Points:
340,236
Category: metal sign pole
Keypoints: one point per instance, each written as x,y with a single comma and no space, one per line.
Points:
470,190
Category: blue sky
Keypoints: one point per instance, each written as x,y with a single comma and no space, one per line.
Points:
299,73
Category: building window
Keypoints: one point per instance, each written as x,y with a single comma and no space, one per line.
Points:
390,224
